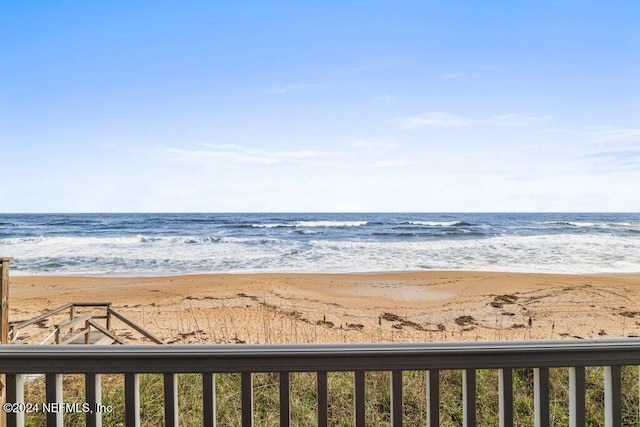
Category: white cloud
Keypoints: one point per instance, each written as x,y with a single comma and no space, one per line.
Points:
221,154
448,120
620,148
614,135
389,164
374,144
616,161
230,153
434,119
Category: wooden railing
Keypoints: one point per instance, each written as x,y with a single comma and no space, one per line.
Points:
432,358
65,332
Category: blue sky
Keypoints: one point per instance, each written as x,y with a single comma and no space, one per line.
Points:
234,106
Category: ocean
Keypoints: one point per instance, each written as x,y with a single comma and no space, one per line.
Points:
169,244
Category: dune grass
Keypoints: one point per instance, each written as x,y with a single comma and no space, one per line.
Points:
303,394
340,390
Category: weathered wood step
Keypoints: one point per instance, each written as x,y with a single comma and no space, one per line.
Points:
95,337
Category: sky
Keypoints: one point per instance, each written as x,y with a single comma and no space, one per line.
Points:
332,106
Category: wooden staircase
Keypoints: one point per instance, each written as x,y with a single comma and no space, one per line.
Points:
86,323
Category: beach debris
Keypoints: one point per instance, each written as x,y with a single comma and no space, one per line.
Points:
390,317
355,326
326,323
412,324
403,322
630,314
465,320
269,306
184,336
251,297
500,300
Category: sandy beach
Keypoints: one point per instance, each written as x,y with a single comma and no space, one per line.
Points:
380,307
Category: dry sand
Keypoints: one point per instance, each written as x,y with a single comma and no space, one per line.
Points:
283,308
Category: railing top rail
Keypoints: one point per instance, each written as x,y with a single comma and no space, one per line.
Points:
106,332
41,317
69,323
29,322
135,326
318,357
91,304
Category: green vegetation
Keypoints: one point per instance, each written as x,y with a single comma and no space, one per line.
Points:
340,390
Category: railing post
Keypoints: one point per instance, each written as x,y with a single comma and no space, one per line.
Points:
469,397
576,396
247,399
612,396
4,297
4,327
505,390
396,398
433,398
359,398
108,319
15,394
93,396
54,397
72,314
285,407
87,335
323,407
170,400
209,400
132,399
541,396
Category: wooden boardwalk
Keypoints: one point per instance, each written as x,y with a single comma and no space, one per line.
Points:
83,325
94,338
90,323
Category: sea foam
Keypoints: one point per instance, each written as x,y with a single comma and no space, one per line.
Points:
144,244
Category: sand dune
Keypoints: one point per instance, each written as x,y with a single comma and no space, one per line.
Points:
413,306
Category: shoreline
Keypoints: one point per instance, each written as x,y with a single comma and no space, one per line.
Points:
319,273
449,305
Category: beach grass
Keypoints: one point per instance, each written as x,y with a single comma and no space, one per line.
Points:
341,398
196,319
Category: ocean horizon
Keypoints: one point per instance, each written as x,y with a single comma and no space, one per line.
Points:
149,244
